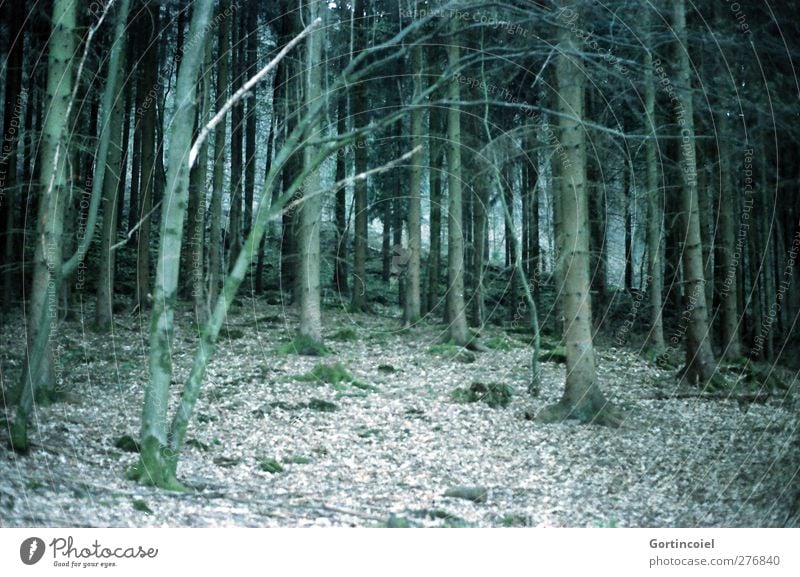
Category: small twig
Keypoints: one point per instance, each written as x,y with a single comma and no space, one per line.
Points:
138,224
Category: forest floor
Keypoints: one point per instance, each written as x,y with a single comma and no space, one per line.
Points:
268,446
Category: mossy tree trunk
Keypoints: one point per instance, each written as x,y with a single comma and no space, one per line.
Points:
154,464
50,271
582,399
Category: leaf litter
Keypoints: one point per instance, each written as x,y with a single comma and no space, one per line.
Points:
268,446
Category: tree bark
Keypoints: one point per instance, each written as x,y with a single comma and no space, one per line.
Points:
413,304
150,86
699,356
154,467
435,186
456,314
582,399
311,207
220,140
360,120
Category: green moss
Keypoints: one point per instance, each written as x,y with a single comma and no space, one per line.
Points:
270,466
499,343
345,335
127,443
335,375
515,520
297,460
554,355
322,405
139,505
303,345
389,369
493,394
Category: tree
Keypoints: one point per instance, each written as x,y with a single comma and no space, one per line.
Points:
413,303
582,398
699,356
218,176
149,84
15,100
113,176
360,107
456,314
311,207
154,467
655,200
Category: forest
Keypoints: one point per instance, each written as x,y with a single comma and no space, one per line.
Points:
457,263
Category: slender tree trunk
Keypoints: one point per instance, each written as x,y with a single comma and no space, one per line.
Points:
655,200
126,133
195,242
435,186
234,236
699,356
155,465
114,173
360,107
15,103
311,208
340,252
456,314
251,114
582,399
149,85
220,142
727,259
413,304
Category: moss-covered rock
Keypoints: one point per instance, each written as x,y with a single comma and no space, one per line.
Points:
303,345
493,394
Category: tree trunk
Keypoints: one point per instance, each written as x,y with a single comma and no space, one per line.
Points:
220,141
311,208
15,103
699,356
360,120
114,173
728,256
582,399
155,467
251,64
234,235
456,314
149,85
340,252
413,304
435,186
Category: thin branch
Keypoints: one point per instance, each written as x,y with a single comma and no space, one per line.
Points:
245,89
138,224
